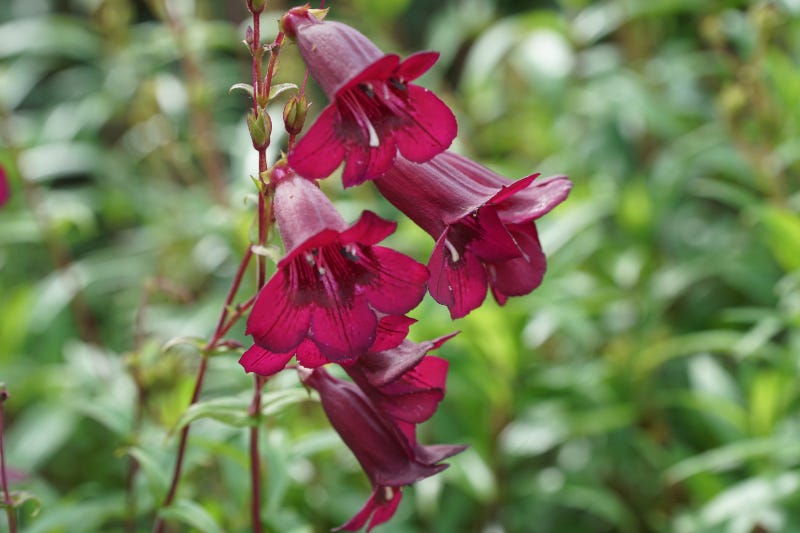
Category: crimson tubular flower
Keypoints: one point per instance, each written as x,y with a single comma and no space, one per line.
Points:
325,299
388,456
483,225
374,111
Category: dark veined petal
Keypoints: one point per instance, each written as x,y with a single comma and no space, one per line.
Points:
317,154
275,322
399,283
458,280
392,330
433,126
486,236
522,275
263,362
366,162
385,367
416,395
343,331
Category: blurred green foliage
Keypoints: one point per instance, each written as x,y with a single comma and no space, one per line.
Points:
651,383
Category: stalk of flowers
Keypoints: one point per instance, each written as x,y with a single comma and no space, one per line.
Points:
483,225
374,111
332,287
376,416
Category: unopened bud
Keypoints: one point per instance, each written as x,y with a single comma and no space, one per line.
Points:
300,16
260,128
256,6
249,36
294,114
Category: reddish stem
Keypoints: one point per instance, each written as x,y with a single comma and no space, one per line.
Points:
255,458
10,511
219,332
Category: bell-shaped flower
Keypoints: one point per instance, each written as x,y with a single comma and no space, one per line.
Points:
389,458
374,111
326,297
483,225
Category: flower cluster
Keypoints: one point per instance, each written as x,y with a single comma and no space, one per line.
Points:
338,297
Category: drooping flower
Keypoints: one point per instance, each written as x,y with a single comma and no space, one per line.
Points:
326,297
483,225
374,111
388,456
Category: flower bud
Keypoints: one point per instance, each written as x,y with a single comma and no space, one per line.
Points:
249,36
260,128
294,114
256,6
300,16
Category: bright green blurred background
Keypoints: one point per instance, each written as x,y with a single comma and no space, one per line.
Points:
650,384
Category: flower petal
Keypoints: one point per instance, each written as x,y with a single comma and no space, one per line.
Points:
386,509
369,229
399,284
522,275
275,322
309,355
434,126
317,154
345,330
486,236
456,282
381,69
416,65
263,362
535,200
392,330
365,162
377,506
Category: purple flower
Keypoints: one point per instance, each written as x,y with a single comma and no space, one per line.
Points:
483,225
333,284
389,456
374,111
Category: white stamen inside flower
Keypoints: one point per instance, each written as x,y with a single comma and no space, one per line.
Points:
321,270
309,258
388,493
374,141
454,255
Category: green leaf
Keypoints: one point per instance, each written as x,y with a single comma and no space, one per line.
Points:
245,87
732,456
191,514
233,411
230,411
155,473
20,498
278,89
781,229
274,402
195,342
